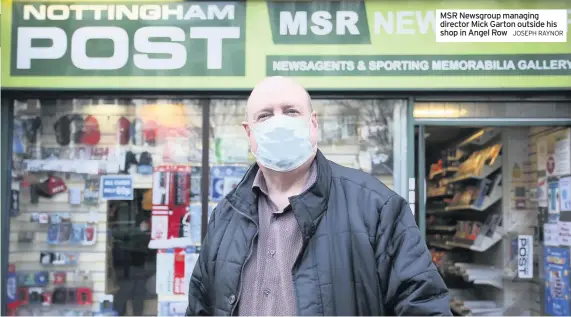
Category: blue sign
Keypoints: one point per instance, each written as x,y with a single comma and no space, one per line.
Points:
11,287
223,179
557,294
116,187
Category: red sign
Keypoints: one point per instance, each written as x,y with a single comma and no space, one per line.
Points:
550,165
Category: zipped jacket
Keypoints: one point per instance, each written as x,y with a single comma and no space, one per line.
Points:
362,251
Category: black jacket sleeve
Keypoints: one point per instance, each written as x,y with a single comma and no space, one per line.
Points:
411,283
198,293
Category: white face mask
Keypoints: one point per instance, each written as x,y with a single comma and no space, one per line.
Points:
283,143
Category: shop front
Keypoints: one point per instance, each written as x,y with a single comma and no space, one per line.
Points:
121,125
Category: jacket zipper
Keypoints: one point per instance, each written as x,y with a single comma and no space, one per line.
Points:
247,258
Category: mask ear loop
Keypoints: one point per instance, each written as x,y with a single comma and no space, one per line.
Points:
313,146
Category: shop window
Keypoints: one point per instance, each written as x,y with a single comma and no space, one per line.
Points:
69,248
358,133
88,174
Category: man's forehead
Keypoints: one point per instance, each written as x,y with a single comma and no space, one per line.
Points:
277,92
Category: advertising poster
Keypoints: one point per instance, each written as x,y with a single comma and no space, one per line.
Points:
565,194
171,308
542,191
562,152
116,187
224,178
553,197
550,234
557,281
556,147
541,153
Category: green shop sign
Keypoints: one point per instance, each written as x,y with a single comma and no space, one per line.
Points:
202,45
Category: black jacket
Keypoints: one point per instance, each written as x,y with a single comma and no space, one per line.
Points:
362,252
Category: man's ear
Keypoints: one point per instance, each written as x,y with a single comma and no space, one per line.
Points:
314,119
246,127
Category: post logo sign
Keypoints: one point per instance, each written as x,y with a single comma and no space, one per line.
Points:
525,256
139,39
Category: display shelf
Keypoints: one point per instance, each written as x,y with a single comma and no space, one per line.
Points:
440,245
480,138
443,228
479,274
459,309
443,172
488,201
485,172
485,243
475,308
440,192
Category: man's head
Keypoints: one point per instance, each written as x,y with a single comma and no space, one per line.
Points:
279,96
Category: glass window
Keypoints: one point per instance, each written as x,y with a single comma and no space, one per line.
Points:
358,133
229,156
87,176
106,190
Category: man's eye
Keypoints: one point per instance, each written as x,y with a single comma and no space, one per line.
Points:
263,116
291,111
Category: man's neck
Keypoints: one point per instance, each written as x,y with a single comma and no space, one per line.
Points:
287,183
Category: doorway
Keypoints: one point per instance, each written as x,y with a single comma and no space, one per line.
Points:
479,199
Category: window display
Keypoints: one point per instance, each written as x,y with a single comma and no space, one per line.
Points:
105,191
80,218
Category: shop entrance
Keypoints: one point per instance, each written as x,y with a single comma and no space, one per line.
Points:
492,202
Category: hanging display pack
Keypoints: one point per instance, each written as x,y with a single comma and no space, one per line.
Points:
170,210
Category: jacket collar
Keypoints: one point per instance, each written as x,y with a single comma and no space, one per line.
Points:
308,207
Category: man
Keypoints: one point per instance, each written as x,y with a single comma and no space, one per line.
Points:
301,235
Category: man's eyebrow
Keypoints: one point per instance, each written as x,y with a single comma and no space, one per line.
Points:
266,109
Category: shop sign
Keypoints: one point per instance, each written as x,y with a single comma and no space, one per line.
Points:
525,256
116,187
139,39
203,45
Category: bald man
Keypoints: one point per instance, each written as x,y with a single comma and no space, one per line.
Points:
301,235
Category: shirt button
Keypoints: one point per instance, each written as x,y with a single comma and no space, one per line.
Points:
272,252
232,299
267,292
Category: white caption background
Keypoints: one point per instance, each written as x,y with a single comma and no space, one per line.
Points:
515,26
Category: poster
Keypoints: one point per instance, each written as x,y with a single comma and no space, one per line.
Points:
557,281
550,234
224,178
172,308
564,229
116,187
562,153
565,193
232,148
553,197
542,192
541,153
554,153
